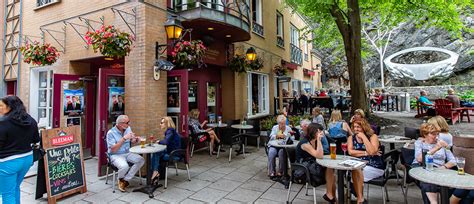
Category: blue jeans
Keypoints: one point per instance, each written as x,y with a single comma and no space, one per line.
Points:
272,154
155,160
11,176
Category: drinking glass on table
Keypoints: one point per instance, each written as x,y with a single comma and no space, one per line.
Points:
332,148
151,138
460,162
142,141
344,148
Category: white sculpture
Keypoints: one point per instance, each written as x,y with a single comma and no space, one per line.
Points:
442,68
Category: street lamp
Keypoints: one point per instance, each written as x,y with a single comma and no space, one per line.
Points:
173,28
251,54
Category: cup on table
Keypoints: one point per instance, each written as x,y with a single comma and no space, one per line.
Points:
142,141
150,140
460,162
332,149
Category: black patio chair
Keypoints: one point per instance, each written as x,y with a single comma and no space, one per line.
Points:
231,137
176,156
412,133
110,165
194,139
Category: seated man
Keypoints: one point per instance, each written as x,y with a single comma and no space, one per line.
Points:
453,98
426,103
118,145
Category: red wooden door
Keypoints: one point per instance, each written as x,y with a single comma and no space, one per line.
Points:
111,85
178,106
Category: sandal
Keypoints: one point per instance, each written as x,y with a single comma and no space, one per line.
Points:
333,200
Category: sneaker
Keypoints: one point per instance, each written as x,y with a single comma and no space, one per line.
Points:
122,185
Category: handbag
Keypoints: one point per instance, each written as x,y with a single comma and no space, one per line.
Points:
38,152
202,138
316,172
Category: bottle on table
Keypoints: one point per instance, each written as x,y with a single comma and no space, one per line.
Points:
429,162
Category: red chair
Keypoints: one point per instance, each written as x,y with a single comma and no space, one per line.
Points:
445,109
420,110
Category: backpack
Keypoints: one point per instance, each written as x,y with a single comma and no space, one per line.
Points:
336,130
316,172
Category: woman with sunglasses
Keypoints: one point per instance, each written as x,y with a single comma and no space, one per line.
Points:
442,157
172,141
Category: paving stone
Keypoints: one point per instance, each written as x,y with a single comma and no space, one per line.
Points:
76,197
225,185
82,202
210,176
174,195
134,197
244,195
277,195
209,195
193,185
104,197
265,201
238,176
98,187
120,202
257,185
154,201
227,201
224,169
190,201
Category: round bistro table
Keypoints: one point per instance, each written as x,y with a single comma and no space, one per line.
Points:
147,151
341,171
445,178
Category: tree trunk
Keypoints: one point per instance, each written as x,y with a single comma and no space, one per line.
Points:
354,61
382,82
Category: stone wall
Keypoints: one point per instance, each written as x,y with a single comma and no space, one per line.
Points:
433,91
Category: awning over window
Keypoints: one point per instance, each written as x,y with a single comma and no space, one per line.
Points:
308,72
289,65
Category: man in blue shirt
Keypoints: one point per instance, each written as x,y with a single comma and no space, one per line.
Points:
426,103
118,146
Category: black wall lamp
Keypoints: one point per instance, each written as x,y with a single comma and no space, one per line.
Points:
174,31
251,54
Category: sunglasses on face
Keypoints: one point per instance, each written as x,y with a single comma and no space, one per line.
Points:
128,122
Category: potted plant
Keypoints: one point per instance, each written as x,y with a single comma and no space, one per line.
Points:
110,41
188,54
266,125
39,54
255,65
238,64
279,70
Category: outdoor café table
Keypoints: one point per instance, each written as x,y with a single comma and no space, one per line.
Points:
154,148
341,171
217,126
282,143
242,129
445,178
393,139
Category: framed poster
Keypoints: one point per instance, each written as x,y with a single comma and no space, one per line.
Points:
116,101
211,95
73,101
173,97
73,121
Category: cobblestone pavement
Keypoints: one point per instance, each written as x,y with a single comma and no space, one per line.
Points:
212,181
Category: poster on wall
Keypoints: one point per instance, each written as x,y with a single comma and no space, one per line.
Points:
73,121
173,97
73,101
116,101
211,95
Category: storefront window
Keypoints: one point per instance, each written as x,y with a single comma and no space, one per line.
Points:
258,94
41,90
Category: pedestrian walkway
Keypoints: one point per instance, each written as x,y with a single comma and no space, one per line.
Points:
212,181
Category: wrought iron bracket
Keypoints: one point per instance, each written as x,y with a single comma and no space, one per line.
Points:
88,26
27,38
132,26
54,34
161,48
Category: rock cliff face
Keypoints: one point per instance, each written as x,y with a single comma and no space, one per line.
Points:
408,36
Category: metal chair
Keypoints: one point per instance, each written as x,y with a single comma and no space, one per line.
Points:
291,154
178,155
114,171
195,139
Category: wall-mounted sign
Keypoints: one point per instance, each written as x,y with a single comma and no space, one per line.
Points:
58,141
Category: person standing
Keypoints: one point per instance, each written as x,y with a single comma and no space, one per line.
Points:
18,130
119,140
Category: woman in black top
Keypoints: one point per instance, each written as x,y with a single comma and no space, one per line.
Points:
311,148
18,131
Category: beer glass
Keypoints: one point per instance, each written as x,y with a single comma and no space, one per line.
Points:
460,162
142,141
332,148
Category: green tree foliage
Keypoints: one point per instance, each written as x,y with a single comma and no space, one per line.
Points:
338,22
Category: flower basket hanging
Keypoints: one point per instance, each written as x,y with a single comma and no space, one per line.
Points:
39,54
240,64
188,54
279,70
110,41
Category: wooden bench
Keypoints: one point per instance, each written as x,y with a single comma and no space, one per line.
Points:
444,108
420,110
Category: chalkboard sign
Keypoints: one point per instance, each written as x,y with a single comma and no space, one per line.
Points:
64,166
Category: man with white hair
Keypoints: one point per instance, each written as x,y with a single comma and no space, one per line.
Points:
119,140
453,98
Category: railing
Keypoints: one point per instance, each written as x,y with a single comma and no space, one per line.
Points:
280,42
236,8
296,54
257,28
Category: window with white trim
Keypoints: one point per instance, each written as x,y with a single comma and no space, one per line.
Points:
279,21
258,94
306,49
296,86
257,11
41,92
40,3
294,36
308,87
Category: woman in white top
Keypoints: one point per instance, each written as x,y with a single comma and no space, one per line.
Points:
281,131
442,125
